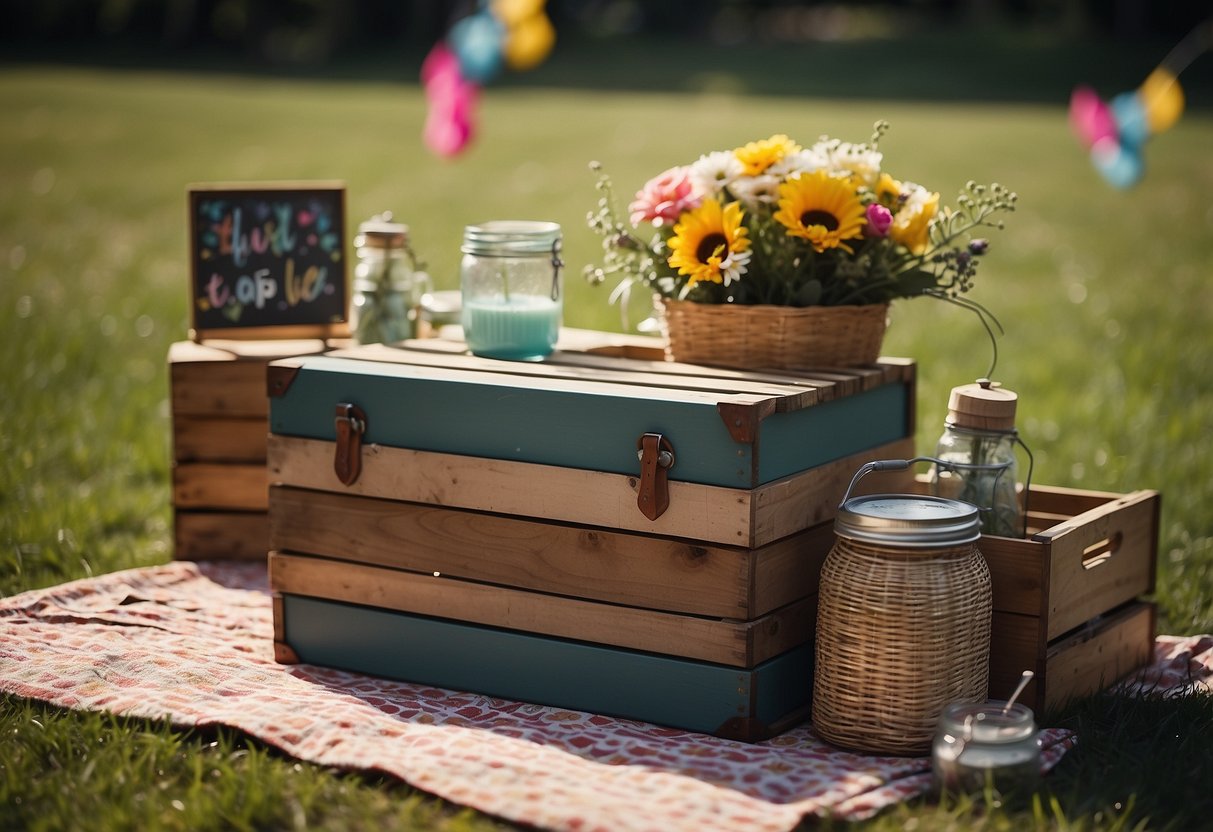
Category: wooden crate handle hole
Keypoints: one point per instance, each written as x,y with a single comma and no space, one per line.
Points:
1101,551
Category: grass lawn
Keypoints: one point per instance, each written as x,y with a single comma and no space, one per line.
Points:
1106,296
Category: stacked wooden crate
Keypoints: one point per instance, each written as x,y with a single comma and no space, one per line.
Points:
219,429
1068,598
630,537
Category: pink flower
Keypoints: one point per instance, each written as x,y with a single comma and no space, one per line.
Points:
880,220
664,197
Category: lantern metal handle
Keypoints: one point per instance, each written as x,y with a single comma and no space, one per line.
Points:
903,464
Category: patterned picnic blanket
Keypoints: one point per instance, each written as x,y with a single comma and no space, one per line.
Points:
193,643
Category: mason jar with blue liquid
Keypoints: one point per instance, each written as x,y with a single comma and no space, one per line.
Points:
512,292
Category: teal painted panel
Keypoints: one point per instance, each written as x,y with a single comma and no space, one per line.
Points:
784,687
695,696
498,419
802,439
494,416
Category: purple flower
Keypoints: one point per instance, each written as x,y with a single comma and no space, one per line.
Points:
880,220
979,246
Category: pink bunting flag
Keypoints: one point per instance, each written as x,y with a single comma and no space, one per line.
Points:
450,121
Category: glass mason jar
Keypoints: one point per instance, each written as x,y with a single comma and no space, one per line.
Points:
512,298
388,283
978,744
977,456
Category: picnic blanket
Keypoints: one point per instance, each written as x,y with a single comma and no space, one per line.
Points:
193,643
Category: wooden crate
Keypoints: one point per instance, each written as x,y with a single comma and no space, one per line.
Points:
1085,661
1067,598
220,535
493,539
220,424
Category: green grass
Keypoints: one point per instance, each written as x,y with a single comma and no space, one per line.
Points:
1106,297
98,771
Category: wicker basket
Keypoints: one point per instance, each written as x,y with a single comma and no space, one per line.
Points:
901,633
785,337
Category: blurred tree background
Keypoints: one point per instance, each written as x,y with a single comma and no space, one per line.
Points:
315,33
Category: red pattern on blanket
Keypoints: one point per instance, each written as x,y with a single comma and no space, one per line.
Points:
193,643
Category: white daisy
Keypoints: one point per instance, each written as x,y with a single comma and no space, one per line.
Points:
858,160
754,191
715,171
735,265
805,160
914,197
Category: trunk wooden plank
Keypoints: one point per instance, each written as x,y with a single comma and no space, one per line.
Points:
722,641
734,517
599,564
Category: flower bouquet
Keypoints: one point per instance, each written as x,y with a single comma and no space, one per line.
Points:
774,254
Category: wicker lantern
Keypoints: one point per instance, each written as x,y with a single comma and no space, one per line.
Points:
903,622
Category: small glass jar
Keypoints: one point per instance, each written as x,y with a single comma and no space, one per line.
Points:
977,456
980,744
388,283
439,309
512,299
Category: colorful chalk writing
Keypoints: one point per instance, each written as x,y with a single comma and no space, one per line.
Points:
267,256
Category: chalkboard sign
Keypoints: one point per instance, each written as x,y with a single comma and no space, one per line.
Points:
268,261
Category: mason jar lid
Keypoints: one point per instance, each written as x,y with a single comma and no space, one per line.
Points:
984,405
381,232
511,238
908,521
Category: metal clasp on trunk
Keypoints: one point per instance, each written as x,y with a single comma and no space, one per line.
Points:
347,458
656,458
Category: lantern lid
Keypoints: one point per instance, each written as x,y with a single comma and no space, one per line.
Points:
908,521
381,232
983,405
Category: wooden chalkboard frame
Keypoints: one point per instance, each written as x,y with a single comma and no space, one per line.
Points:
328,320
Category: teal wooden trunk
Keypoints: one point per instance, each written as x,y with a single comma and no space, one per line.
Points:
708,698
545,456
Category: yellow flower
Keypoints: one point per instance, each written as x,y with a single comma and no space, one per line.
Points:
912,223
888,192
822,209
710,243
756,157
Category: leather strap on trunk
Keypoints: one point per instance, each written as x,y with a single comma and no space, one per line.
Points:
351,425
656,458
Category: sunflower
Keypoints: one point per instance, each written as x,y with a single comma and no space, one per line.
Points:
822,209
756,157
710,243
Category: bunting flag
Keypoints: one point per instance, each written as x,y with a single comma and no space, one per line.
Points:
1115,132
513,34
